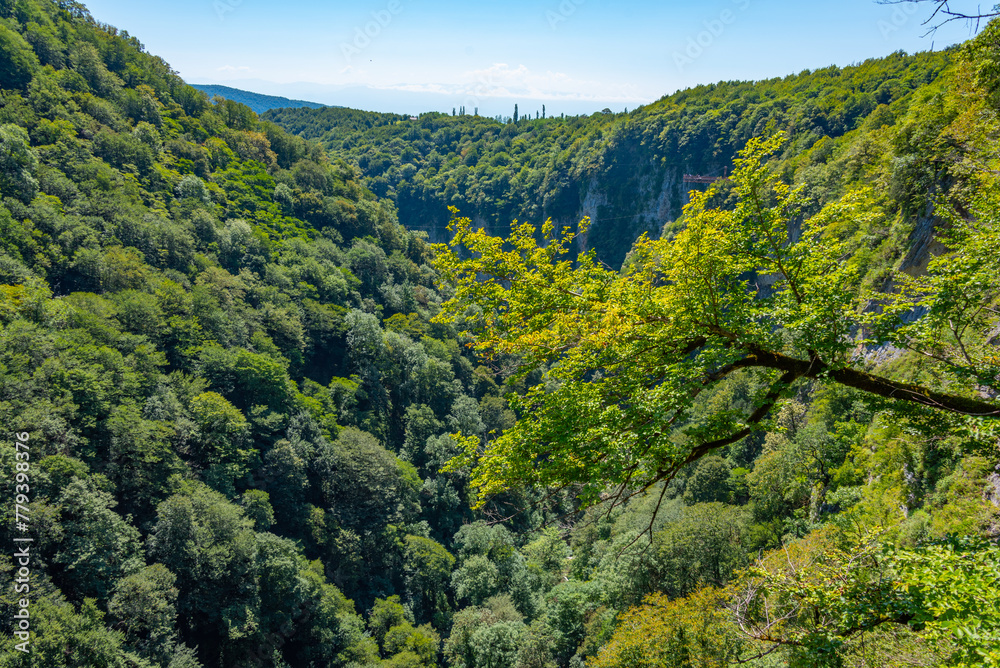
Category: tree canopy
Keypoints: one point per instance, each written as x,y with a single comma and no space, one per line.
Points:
631,357
223,348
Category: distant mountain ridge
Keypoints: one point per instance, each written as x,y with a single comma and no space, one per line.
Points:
256,101
625,172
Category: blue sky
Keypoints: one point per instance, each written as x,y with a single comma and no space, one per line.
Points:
575,55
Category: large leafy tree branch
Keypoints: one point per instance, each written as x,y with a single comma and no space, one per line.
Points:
628,355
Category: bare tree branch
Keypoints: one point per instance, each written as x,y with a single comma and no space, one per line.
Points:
944,13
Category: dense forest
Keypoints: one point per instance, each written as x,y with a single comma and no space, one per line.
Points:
624,171
256,101
253,417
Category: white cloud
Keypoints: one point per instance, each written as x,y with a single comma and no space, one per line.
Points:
231,68
502,80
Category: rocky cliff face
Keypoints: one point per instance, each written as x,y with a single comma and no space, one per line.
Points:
923,245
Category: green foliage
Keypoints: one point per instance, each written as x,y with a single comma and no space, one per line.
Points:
208,544
983,53
256,506
64,637
953,584
822,598
18,58
624,170
18,163
144,607
629,354
176,276
708,482
428,566
490,566
212,331
548,553
707,545
484,637
222,442
403,643
385,615
692,631
272,594
96,546
958,291
382,488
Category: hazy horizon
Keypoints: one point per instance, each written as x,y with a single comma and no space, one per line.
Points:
574,56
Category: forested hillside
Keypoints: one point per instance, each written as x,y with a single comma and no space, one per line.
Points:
219,343
251,419
624,171
256,101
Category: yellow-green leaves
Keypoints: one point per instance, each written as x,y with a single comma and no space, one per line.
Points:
824,594
627,354
956,585
691,631
958,296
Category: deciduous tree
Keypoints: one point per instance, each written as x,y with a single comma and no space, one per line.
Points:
737,292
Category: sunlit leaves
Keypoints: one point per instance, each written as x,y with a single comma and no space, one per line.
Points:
822,595
626,354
